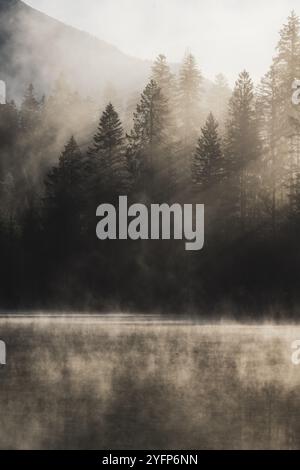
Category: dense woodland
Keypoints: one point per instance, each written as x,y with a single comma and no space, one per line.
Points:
237,151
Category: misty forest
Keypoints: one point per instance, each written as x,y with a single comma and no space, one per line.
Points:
178,140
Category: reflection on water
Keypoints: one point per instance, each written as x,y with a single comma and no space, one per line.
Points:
128,382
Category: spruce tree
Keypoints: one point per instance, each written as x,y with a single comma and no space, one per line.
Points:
148,135
64,199
64,182
63,214
207,160
287,66
164,78
242,151
189,89
268,104
288,52
107,159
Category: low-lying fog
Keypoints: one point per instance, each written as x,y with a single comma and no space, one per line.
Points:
126,382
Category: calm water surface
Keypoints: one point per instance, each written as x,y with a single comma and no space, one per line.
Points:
130,382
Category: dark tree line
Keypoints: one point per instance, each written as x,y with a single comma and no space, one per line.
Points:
237,152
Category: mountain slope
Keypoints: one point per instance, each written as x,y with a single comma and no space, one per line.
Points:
36,48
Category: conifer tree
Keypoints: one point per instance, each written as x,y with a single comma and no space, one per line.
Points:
164,78
63,215
268,104
280,123
207,160
32,143
166,81
64,182
149,131
189,89
107,159
288,53
242,150
287,66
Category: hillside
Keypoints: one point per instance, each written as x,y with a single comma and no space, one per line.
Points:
36,48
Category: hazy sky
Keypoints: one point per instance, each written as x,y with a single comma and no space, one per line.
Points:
225,35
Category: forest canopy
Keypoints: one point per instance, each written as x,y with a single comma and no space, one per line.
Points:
236,151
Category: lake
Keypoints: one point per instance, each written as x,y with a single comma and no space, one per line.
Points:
143,382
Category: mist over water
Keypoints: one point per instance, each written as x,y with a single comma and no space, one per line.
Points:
131,382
